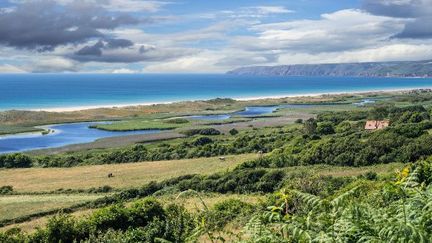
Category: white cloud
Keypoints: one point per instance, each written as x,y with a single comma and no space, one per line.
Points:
135,5
255,12
200,63
10,69
124,71
117,5
272,10
391,52
338,31
52,64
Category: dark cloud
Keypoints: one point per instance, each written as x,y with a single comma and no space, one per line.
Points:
118,43
421,28
417,12
144,49
127,55
399,9
96,49
43,25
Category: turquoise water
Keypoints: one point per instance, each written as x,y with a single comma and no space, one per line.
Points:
65,134
38,91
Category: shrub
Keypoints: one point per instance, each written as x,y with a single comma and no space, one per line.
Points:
113,217
202,141
6,190
143,212
233,131
177,121
202,131
13,235
310,126
298,121
226,211
370,175
325,128
102,189
60,228
179,223
15,161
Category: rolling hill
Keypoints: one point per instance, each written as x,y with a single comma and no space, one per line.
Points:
371,69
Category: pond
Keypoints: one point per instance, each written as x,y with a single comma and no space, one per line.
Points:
249,111
61,135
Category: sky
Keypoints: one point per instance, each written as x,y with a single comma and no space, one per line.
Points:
199,36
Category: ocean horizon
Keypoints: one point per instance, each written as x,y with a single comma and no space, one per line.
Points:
55,91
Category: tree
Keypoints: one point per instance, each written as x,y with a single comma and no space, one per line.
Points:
310,126
325,128
233,131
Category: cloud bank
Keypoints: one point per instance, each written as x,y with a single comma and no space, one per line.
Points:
172,36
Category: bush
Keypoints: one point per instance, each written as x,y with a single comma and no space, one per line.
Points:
143,221
233,131
298,121
102,189
202,141
60,228
310,126
15,161
325,128
370,175
113,217
13,235
6,190
202,131
177,121
143,212
226,211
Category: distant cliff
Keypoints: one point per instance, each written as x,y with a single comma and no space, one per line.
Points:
373,69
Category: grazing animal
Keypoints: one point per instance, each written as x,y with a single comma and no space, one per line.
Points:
222,158
110,175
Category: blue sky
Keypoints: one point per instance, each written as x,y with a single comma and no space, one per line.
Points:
140,36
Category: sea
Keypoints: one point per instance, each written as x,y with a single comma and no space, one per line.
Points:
50,91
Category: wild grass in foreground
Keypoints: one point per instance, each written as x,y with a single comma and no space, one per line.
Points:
368,208
14,206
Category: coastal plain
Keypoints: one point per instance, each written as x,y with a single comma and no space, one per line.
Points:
93,171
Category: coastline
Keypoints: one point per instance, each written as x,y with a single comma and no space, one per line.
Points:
246,98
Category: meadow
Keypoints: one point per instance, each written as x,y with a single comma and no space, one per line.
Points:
43,195
307,164
14,206
128,175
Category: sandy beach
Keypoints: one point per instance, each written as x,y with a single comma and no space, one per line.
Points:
249,98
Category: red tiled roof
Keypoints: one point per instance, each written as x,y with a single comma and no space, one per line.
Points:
373,124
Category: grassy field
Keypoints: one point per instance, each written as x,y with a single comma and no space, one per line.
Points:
193,203
32,225
111,142
139,124
11,129
190,201
338,171
125,175
13,206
